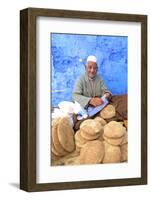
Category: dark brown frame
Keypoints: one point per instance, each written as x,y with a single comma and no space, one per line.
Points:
28,98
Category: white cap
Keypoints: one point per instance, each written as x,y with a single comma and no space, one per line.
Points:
92,59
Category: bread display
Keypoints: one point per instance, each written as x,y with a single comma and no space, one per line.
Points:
96,142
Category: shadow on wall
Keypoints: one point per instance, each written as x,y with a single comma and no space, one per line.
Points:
68,49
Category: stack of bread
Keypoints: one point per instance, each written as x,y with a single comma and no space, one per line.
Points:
62,138
89,141
95,142
114,135
89,130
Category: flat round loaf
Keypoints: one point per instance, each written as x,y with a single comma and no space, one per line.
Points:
87,136
92,152
79,145
79,138
114,130
55,140
66,134
124,152
101,120
91,126
114,141
54,150
108,112
112,153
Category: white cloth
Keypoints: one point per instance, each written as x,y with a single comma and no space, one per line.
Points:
67,109
92,58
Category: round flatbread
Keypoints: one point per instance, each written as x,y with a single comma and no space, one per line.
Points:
79,138
92,127
108,112
87,136
79,145
114,141
55,140
114,130
54,150
66,134
92,152
101,120
112,153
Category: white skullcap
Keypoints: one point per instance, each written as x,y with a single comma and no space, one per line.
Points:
92,59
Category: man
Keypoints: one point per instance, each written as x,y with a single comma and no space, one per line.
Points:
90,88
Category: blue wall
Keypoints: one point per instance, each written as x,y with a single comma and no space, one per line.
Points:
67,49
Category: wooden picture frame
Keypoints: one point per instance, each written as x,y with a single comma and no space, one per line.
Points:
28,101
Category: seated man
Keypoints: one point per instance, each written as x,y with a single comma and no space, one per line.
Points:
89,88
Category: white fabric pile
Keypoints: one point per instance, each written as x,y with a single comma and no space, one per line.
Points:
66,108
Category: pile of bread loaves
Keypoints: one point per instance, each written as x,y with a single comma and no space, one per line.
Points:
95,142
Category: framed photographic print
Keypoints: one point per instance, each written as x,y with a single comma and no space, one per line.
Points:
83,99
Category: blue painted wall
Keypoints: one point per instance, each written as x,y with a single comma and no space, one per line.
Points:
67,49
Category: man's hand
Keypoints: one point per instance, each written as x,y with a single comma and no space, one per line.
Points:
107,95
96,101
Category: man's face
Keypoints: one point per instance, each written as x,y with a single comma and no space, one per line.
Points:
91,69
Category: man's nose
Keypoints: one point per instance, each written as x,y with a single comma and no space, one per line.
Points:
93,70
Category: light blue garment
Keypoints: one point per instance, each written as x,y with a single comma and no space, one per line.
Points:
82,114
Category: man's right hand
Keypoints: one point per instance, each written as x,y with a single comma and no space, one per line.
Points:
96,101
